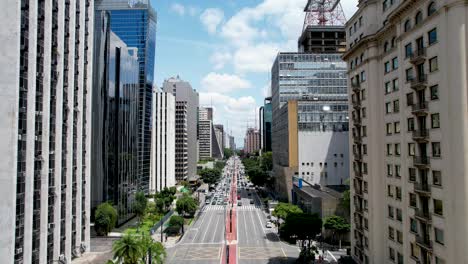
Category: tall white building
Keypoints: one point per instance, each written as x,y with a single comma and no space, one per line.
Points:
163,142
45,128
407,63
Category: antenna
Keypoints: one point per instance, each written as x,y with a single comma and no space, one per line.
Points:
324,13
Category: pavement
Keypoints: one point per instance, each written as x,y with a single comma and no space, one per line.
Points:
205,241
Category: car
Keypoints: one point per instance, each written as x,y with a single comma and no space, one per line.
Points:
213,202
238,197
239,203
249,194
269,224
251,201
207,202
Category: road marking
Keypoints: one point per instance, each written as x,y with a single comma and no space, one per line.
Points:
215,229
282,250
175,252
331,255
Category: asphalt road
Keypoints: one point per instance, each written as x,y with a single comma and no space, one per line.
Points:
204,242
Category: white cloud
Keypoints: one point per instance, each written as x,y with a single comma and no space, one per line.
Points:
257,58
219,59
223,83
178,8
211,18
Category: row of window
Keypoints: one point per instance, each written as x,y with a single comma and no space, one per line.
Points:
355,26
418,18
391,65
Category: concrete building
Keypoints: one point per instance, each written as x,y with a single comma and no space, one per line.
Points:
252,141
407,70
232,143
205,113
45,129
205,137
217,142
220,136
114,167
134,22
163,146
187,102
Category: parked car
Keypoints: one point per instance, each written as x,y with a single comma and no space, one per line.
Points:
239,203
251,201
269,225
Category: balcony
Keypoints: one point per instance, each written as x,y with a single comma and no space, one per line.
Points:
359,244
423,162
358,191
356,103
359,210
423,215
357,138
421,135
357,120
356,86
422,188
357,155
357,173
420,108
424,242
418,56
419,82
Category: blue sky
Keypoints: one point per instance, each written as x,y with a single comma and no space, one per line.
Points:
225,49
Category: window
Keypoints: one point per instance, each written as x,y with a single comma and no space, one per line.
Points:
439,260
391,233
365,186
407,25
389,170
436,149
400,258
418,19
388,107
396,106
413,225
389,191
390,212
397,149
387,67
398,193
393,42
395,85
395,63
364,149
364,112
389,151
412,200
408,50
432,36
431,9
411,149
435,121
363,94
360,22
388,87
363,76
391,253
409,74
399,215
437,178
412,174
364,131
364,168
433,64
409,99
434,92
398,171
438,207
396,127
411,124
351,31
389,128
439,235
399,236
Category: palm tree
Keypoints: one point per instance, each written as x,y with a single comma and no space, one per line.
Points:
128,250
154,251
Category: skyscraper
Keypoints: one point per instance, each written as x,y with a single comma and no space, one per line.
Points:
252,141
265,124
407,64
186,126
114,167
45,128
134,22
163,143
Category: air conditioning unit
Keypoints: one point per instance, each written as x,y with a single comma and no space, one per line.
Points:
51,225
19,250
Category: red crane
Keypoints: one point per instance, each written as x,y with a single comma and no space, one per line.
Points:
324,13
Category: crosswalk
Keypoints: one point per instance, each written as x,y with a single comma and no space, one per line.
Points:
248,207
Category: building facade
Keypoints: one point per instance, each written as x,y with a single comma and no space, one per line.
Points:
163,142
114,167
135,24
187,103
46,129
252,141
265,124
407,71
217,141
205,137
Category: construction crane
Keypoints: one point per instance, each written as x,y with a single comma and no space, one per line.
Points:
324,13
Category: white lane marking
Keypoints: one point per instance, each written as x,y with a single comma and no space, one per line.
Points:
334,259
201,224
215,229
208,227
255,229
260,221
245,229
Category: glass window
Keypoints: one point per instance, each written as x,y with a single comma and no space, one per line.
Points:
419,17
432,36
431,9
411,149
411,124
433,64
389,191
393,42
437,178
438,207
388,87
439,235
389,169
388,107
409,74
395,63
435,121
396,106
398,171
399,215
386,46
363,76
434,92
390,212
364,149
409,99
364,112
412,200
397,149
360,22
408,50
436,149
391,233
439,260
387,67
389,128
400,258
412,174
398,193
407,25
397,127
399,236
395,85
413,225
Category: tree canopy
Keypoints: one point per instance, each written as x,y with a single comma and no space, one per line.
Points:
256,171
228,153
210,176
301,226
337,225
105,219
283,210
140,204
186,205
133,249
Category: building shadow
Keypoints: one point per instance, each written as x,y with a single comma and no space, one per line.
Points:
281,260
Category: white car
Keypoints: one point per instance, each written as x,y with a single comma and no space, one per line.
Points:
269,224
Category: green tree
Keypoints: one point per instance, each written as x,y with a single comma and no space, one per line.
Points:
105,219
128,250
337,225
186,205
345,202
210,176
228,153
177,221
140,204
266,161
153,252
283,210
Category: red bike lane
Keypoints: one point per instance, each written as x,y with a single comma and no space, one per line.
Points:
230,254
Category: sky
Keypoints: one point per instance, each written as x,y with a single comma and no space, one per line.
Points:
225,49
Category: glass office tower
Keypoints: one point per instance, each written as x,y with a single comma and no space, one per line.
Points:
134,22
